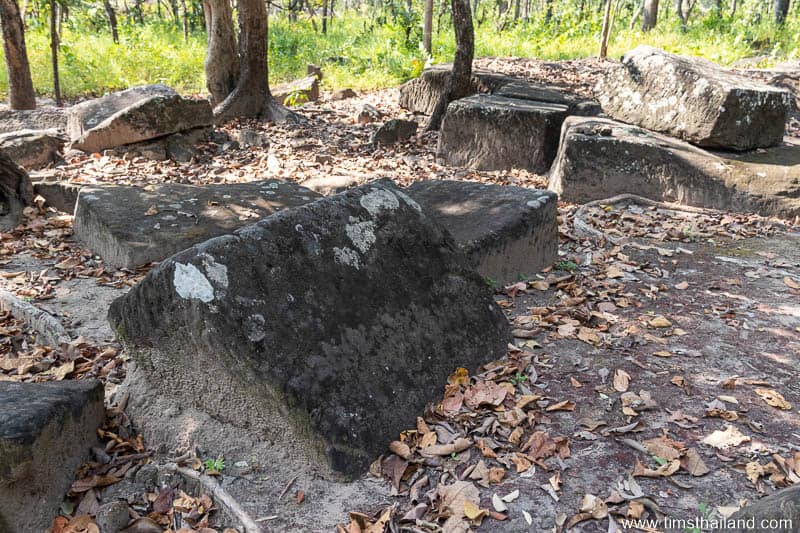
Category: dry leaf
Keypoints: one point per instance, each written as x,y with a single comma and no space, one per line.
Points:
693,463
774,398
621,380
659,322
728,438
792,284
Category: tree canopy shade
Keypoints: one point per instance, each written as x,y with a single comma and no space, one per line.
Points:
20,85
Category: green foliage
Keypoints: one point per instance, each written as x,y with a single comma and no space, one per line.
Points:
569,266
214,465
380,47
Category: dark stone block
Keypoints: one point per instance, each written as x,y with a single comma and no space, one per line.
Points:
323,329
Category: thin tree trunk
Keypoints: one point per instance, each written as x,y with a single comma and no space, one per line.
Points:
20,85
54,51
781,10
185,21
460,83
324,17
517,9
636,14
112,19
606,31
222,59
252,97
427,27
650,15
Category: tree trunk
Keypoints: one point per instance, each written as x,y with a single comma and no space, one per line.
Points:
460,84
427,28
112,19
650,15
734,6
20,85
781,10
606,31
54,51
222,59
252,97
517,9
324,17
636,14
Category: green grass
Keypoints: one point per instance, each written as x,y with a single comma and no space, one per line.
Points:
363,52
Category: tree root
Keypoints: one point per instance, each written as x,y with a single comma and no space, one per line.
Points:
220,495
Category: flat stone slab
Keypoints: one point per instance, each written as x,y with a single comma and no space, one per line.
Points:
133,116
130,226
297,92
694,100
506,232
421,94
32,149
496,133
60,195
323,330
42,118
46,431
600,158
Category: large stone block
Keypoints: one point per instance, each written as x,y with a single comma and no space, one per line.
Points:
497,133
60,195
42,118
130,226
694,100
421,94
46,431
777,513
32,149
599,158
134,115
506,232
324,329
16,192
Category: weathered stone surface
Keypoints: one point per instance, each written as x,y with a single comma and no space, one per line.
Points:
343,94
694,100
61,195
134,115
43,118
16,192
327,185
323,329
599,158
497,133
112,517
32,149
506,232
524,90
129,226
46,430
248,137
297,92
421,94
368,113
777,513
393,131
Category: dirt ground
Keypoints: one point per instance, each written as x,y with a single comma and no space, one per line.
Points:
630,359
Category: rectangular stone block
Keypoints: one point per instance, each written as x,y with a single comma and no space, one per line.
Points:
130,226
506,232
497,133
46,431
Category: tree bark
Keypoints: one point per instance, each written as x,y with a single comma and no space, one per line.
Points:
112,19
20,85
460,84
781,10
222,59
650,15
427,27
252,97
606,31
54,51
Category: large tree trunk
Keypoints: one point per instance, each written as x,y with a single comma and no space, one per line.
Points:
20,85
781,10
427,27
650,15
251,97
222,59
460,84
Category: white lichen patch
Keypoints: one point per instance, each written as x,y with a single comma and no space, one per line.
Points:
378,200
217,272
190,283
346,256
536,204
361,234
256,329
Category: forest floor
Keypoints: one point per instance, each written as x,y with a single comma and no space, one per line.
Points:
654,372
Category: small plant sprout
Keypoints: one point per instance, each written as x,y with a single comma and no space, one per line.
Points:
214,467
569,266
